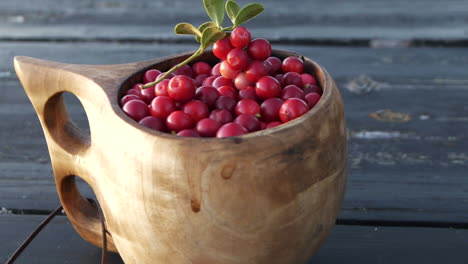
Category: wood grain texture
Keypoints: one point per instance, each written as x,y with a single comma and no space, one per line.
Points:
266,197
389,162
356,244
292,20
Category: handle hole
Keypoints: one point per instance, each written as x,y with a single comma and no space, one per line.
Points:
67,122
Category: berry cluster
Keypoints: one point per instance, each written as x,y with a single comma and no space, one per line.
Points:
247,91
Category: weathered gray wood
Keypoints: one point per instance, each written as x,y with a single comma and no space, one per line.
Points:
282,20
412,171
59,243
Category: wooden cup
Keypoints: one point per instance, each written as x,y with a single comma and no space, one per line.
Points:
267,197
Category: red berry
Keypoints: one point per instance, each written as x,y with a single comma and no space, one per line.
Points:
222,47
231,130
262,125
292,91
292,64
312,99
241,81
209,80
188,133
184,70
148,94
197,110
200,78
215,70
312,89
222,116
181,88
259,49
162,106
153,123
227,71
207,94
221,81
225,102
129,97
135,91
207,127
178,121
291,78
269,109
292,108
201,67
248,93
247,106
273,124
171,75
161,88
275,65
279,77
255,70
228,91
308,79
136,109
249,122
238,59
150,75
267,87
240,37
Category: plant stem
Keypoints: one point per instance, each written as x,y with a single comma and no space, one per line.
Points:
189,59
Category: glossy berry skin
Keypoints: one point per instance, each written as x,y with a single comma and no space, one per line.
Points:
292,64
249,122
225,102
267,87
209,80
312,89
129,97
215,70
162,106
153,123
188,133
228,91
269,109
222,47
161,88
222,116
292,91
248,93
291,78
178,121
151,75
197,110
255,70
201,67
207,94
247,106
227,71
259,49
181,88
231,130
273,124
184,70
135,91
148,94
312,99
199,79
292,109
238,59
308,79
275,65
136,109
241,81
240,37
221,81
207,127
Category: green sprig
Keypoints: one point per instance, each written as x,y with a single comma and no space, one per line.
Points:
210,32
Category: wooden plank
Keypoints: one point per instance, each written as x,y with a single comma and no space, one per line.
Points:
59,243
409,171
283,21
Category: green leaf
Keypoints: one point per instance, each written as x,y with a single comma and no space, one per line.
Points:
215,10
186,29
206,25
232,9
248,12
210,36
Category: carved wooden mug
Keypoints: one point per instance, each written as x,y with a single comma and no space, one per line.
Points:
267,197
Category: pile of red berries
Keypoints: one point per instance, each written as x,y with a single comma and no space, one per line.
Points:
248,90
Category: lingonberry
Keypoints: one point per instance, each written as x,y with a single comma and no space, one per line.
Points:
162,106
312,99
291,78
221,81
188,133
170,76
249,122
228,91
248,93
247,106
129,97
135,91
199,79
136,109
207,94
148,94
222,116
207,127
237,58
197,110
231,130
161,88
209,80
275,65
227,71
184,70
292,91
259,49
267,87
178,121
255,70
308,79
222,47
181,88
153,123
150,75
292,64
273,124
240,37
225,102
312,89
292,108
241,81
201,67
269,109
215,70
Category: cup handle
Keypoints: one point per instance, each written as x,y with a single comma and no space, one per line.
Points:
44,83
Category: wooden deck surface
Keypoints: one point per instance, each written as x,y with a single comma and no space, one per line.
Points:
407,191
